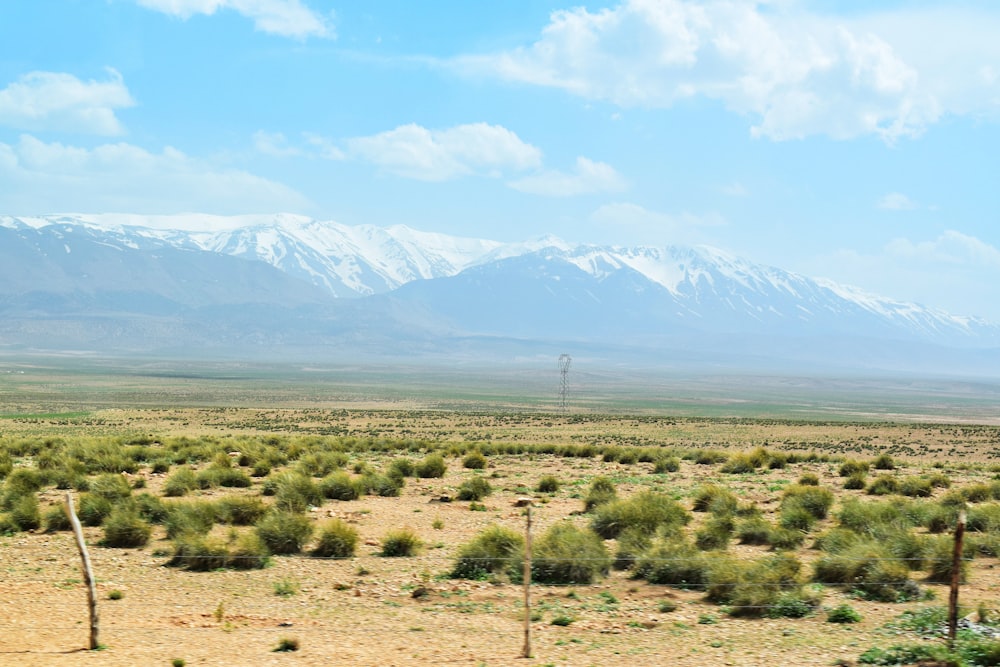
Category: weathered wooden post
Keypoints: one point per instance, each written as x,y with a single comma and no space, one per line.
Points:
956,575
88,574
526,503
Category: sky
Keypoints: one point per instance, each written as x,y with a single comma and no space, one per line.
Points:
857,141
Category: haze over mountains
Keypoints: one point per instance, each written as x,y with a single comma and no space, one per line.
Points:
288,287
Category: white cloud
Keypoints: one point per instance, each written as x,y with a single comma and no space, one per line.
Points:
896,201
274,144
795,74
439,155
62,102
587,177
324,147
954,272
288,18
38,177
626,213
735,189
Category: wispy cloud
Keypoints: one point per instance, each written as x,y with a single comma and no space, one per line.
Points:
58,101
125,177
896,201
587,177
288,18
794,73
416,152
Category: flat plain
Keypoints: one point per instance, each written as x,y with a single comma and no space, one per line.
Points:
762,441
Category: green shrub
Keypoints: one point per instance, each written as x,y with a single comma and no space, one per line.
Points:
813,499
809,479
666,464
715,499
24,512
93,509
476,488
110,486
708,457
754,588
646,510
843,613
494,550
852,468
915,487
784,539
796,517
869,569
883,485
548,484
295,493
432,465
977,493
884,462
715,533
940,562
385,486
631,544
126,529
855,482
284,532
675,562
740,464
249,553
754,530
320,464
56,519
402,543
474,460
189,518
565,554
199,553
911,549
240,510
908,654
401,467
601,491
182,482
939,480
340,486
336,540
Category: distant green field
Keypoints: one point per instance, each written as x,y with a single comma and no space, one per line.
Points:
68,388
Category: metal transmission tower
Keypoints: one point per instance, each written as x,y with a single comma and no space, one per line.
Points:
564,362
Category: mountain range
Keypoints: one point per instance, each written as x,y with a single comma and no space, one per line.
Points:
285,286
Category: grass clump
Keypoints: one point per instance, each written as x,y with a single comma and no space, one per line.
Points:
883,485
851,468
403,543
674,561
240,510
284,532
124,528
341,486
646,510
476,488
843,613
548,484
431,466
565,554
474,460
199,554
715,533
601,491
715,499
25,514
249,553
494,550
870,570
884,462
665,464
190,518
337,539
93,509
182,482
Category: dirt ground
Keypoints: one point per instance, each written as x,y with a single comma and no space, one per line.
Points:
365,610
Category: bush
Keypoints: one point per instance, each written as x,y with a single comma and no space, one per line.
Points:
714,499
240,510
474,460
476,488
940,562
754,588
93,509
853,468
431,466
295,493
809,479
646,510
843,613
250,553
401,467
189,518
384,486
916,487
110,486
125,528
336,540
675,562
977,493
284,532
783,539
754,530
56,519
708,457
813,499
601,491
548,484
869,569
494,550
566,554
400,544
199,554
715,533
855,482
666,464
884,462
182,482
796,517
340,486
24,512
740,464
883,485
631,544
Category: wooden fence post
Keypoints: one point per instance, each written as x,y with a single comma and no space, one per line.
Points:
88,573
526,650
956,575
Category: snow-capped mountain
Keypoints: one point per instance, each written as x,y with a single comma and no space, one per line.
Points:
293,273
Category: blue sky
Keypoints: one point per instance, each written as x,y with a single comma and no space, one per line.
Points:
856,141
